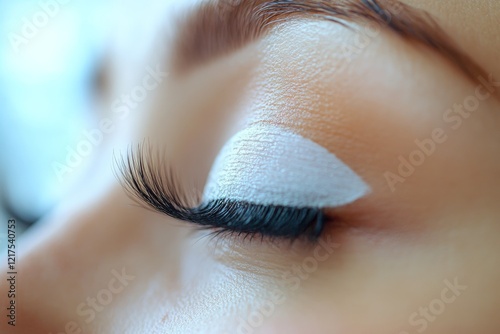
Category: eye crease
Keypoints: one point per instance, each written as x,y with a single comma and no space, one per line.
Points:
271,165
265,181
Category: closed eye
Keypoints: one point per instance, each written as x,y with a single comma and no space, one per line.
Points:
147,182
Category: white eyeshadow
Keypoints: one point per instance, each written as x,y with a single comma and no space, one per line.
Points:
266,164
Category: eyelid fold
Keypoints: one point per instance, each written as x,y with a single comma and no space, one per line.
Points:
271,165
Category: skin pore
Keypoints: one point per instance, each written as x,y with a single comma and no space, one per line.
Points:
415,255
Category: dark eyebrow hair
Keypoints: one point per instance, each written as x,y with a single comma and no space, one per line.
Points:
219,27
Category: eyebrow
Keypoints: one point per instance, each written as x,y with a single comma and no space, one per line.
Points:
219,27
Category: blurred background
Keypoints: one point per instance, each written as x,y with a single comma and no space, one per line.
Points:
55,56
50,54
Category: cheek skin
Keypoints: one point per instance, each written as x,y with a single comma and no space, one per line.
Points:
373,285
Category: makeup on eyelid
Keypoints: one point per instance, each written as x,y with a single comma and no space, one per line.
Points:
269,165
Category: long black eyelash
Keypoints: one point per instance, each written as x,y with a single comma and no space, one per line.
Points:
144,180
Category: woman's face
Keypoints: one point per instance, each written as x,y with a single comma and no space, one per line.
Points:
417,252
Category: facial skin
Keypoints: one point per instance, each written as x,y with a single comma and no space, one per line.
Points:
419,256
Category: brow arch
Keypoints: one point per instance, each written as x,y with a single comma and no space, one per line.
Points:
219,27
